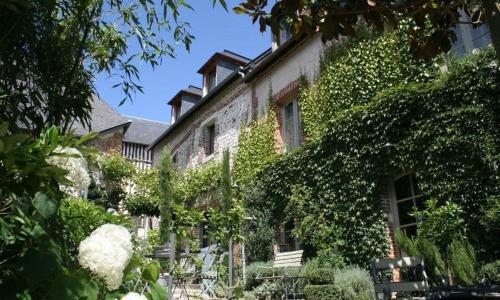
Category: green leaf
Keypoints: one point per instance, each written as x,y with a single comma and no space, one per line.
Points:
38,266
151,272
75,285
157,292
44,205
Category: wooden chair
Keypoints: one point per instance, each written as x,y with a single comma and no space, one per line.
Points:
283,261
387,287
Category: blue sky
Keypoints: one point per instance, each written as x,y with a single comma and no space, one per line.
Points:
214,30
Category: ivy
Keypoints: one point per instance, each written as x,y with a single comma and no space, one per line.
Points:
446,131
256,147
353,72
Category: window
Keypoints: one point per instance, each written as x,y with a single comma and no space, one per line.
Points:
407,197
177,112
469,38
174,158
212,80
211,139
291,131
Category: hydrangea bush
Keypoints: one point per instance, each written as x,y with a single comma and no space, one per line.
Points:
72,161
106,252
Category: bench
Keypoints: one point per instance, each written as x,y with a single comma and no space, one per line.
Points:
386,287
282,262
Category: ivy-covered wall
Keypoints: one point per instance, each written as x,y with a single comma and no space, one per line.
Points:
354,71
447,131
256,147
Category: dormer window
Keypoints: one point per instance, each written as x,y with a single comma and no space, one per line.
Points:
183,101
212,79
219,67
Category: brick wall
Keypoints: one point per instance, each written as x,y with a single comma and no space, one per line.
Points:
110,141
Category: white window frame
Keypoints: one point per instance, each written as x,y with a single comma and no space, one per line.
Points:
296,138
394,201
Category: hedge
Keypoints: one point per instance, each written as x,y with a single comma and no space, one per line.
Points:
446,131
322,292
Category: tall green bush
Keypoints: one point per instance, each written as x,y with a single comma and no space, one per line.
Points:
354,283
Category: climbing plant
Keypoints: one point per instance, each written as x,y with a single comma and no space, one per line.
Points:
446,131
354,71
256,147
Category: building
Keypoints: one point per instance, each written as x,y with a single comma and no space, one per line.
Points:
129,136
235,91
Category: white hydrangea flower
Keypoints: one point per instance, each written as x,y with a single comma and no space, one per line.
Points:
134,296
106,252
77,170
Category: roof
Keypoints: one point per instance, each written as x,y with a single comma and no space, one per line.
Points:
190,90
251,69
143,131
102,118
228,55
212,93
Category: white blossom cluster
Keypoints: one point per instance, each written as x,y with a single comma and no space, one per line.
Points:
134,296
77,170
106,252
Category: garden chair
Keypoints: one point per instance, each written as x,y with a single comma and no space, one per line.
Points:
385,287
283,261
207,275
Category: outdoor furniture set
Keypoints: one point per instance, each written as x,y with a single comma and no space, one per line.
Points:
415,281
290,284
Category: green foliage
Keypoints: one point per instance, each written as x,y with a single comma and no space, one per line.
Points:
463,261
490,221
321,275
256,147
259,238
58,48
322,292
38,232
166,179
117,171
354,283
198,185
145,199
432,255
253,270
441,242
353,73
490,272
442,224
79,217
446,131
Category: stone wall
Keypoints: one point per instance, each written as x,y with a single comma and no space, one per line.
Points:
239,104
109,141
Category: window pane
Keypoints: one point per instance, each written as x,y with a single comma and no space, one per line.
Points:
403,188
405,208
288,125
416,189
211,139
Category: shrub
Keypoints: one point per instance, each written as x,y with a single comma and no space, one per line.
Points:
259,238
320,276
322,292
355,283
491,272
253,270
79,217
